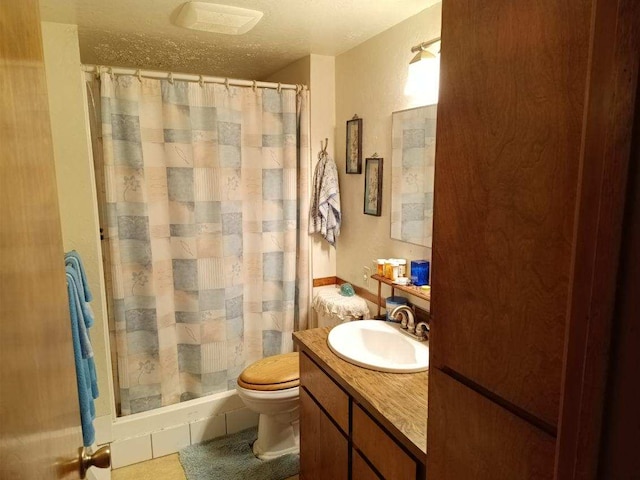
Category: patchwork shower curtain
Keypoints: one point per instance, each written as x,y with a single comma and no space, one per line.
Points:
206,191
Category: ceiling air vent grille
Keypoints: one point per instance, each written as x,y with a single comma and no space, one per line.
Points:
211,17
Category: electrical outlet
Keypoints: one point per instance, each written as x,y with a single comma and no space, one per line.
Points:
366,273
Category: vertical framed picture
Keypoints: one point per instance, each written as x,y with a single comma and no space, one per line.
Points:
373,187
354,145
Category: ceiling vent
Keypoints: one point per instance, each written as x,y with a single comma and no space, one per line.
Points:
211,17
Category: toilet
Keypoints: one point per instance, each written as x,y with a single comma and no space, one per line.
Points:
270,387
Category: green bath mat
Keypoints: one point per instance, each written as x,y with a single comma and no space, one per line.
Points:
231,458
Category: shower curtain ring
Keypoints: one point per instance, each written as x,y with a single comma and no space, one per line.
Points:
255,86
279,87
201,81
139,75
226,83
111,72
170,78
97,72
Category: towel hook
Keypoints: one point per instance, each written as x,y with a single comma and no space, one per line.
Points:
323,146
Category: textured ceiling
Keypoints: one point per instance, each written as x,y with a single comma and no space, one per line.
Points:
139,33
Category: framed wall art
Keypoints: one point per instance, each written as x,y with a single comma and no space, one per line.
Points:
354,145
373,186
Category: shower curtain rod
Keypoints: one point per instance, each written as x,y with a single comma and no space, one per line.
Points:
188,77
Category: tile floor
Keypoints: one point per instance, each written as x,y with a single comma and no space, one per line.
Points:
163,468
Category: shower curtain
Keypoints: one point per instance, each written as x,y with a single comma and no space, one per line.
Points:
206,190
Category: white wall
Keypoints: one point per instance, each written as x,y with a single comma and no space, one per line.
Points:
76,185
370,82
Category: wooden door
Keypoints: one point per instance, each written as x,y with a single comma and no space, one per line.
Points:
39,418
483,440
512,86
534,127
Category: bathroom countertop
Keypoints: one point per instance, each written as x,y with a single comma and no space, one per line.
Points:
398,401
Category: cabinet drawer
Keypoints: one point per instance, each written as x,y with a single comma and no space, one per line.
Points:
361,470
328,394
383,452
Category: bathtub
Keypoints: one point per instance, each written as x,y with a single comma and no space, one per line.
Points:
162,431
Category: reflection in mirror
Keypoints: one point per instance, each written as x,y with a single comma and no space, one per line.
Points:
412,170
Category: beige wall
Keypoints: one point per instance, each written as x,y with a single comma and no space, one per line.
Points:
76,186
370,81
318,73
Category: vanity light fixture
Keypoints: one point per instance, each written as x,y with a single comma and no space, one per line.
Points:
424,52
424,73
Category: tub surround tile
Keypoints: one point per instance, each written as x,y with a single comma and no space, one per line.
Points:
241,419
207,428
102,426
131,450
167,417
170,440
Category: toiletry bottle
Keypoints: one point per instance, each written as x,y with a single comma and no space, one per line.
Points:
388,270
380,269
402,267
395,269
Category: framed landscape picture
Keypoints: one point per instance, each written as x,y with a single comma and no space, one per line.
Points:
373,187
354,146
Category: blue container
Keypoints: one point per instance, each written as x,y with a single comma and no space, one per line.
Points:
420,272
393,302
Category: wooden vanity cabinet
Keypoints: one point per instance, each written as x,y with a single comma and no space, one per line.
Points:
339,439
324,449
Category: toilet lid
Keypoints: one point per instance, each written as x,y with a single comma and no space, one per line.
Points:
278,372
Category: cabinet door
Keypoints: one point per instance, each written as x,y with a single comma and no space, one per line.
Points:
324,451
507,159
471,437
360,470
380,449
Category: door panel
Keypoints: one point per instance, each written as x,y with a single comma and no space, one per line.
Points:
40,423
508,148
324,450
472,437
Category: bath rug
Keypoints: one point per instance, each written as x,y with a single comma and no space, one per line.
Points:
231,458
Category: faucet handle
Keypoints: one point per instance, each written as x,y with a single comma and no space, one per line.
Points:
422,330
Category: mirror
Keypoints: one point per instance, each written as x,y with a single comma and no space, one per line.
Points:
412,169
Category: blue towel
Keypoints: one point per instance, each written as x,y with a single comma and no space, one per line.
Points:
72,259
85,366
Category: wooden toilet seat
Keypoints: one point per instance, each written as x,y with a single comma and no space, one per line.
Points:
277,372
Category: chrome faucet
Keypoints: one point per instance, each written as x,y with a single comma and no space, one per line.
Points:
407,318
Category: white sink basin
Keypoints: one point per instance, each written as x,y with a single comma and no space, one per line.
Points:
378,345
